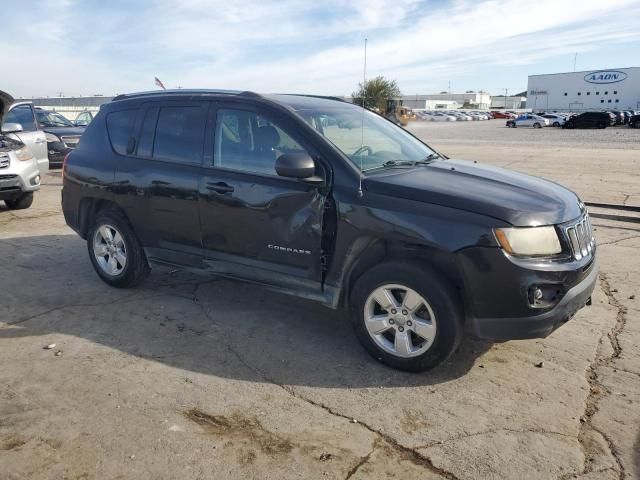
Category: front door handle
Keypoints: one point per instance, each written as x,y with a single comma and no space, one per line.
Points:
220,187
40,140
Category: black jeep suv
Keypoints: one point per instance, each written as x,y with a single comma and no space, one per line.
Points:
590,120
319,198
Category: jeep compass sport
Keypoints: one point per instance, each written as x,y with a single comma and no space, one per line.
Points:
319,198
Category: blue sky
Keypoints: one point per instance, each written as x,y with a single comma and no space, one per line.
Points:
86,47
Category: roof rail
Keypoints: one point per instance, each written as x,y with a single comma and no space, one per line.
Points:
249,93
184,91
326,97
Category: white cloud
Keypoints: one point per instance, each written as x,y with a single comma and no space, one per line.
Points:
295,45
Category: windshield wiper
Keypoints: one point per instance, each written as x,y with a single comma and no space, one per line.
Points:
405,163
399,163
411,163
431,157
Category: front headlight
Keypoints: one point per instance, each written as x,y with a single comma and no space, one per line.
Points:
24,154
51,137
529,240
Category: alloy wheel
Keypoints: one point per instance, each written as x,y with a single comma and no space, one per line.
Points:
109,250
400,320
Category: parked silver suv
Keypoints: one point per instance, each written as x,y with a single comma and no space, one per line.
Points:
27,130
19,172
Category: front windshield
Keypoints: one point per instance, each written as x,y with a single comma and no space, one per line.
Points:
52,119
370,147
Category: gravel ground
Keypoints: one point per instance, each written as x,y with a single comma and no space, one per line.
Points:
196,378
599,165
495,132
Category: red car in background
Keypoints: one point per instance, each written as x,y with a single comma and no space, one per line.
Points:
502,115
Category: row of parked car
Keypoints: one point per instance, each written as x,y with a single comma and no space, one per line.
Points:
32,140
453,115
572,120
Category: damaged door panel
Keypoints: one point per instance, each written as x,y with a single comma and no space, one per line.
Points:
253,221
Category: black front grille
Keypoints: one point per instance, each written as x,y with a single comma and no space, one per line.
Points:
7,177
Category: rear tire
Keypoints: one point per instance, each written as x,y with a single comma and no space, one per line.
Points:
23,201
537,125
115,251
602,125
636,124
427,325
556,124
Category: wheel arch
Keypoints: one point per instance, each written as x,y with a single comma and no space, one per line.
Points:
90,207
367,254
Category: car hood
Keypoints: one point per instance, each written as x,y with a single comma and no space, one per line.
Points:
513,197
65,131
5,102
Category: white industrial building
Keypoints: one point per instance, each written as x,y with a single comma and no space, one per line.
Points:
508,102
472,100
70,107
611,89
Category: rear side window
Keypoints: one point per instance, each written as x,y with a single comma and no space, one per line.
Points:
23,115
119,127
180,134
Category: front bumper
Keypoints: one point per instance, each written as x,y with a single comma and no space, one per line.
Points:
499,292
57,151
19,178
538,326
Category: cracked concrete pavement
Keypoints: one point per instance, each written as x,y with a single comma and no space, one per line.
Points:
192,377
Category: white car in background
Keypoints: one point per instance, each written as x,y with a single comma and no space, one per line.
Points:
474,116
528,120
482,115
555,120
461,117
442,117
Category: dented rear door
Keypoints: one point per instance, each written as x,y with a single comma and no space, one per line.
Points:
254,223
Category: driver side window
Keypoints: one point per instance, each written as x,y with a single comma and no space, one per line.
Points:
250,142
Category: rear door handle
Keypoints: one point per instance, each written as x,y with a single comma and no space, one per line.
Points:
220,187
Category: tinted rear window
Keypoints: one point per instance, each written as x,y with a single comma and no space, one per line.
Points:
119,127
179,134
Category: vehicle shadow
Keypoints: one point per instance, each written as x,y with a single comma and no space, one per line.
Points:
198,324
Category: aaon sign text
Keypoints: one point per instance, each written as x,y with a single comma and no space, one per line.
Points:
605,76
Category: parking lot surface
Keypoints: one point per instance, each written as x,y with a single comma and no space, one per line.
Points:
193,377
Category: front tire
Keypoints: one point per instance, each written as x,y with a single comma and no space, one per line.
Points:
537,125
407,317
23,201
115,251
556,124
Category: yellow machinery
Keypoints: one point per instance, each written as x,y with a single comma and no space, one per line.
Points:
398,113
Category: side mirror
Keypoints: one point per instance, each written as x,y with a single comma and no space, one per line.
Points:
297,165
11,127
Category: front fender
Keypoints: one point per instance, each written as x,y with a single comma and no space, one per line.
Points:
380,228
